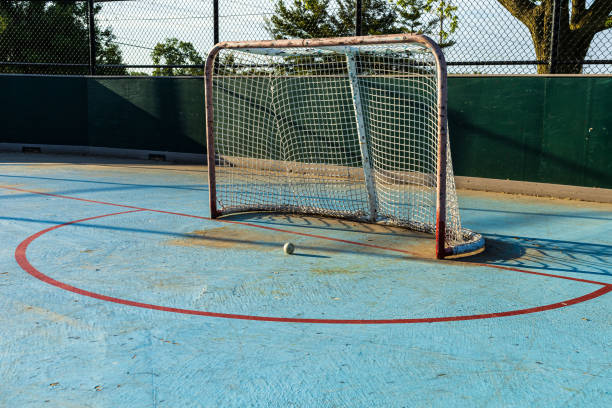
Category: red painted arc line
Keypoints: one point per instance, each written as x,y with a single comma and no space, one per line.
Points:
21,258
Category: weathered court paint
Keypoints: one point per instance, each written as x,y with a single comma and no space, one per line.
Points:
114,228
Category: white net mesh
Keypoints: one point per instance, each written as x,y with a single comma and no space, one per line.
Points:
287,128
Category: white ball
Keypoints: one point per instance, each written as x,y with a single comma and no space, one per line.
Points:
288,248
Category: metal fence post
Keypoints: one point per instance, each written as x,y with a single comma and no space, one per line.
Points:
215,21
358,14
554,37
92,37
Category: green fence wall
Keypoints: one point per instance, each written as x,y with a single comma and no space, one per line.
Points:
543,129
165,114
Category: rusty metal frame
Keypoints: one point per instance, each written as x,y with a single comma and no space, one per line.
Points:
441,251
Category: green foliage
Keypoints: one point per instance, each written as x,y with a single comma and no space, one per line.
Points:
314,18
175,52
108,53
227,65
446,19
301,19
3,24
378,17
436,18
53,32
412,14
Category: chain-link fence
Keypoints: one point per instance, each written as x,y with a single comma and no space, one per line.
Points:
172,37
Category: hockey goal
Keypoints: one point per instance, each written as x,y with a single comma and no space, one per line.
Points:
344,127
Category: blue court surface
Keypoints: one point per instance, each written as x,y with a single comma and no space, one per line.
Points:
116,290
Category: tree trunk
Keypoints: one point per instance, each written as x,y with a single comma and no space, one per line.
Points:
573,48
576,30
571,52
540,27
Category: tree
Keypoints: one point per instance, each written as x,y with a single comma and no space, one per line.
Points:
53,32
312,18
415,17
175,52
378,17
108,53
302,19
578,25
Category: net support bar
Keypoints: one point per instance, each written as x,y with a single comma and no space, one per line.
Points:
361,134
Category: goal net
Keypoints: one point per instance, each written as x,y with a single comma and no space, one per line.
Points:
344,127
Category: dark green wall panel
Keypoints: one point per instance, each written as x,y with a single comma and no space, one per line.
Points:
544,129
45,110
598,134
493,125
143,113
566,109
147,113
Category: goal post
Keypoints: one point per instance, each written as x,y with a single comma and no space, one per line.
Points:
350,127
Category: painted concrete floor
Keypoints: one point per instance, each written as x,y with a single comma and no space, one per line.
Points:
117,291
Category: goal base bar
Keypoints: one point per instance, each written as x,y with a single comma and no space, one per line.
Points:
473,245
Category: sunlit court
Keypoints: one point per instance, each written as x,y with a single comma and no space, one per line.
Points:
355,205
119,290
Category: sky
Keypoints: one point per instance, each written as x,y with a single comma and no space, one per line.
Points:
486,30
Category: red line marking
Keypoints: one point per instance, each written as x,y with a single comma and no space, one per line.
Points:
71,198
21,258
210,219
509,268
